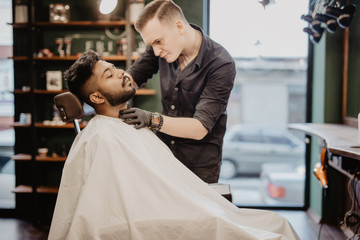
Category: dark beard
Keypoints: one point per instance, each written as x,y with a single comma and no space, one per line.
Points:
117,98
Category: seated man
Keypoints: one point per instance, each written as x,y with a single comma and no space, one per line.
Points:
112,190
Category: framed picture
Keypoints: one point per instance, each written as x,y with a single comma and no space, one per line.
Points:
53,80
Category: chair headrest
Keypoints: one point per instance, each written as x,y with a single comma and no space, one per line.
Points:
69,106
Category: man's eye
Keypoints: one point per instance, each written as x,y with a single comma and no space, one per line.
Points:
109,76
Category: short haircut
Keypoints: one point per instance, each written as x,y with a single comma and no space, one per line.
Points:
79,73
163,10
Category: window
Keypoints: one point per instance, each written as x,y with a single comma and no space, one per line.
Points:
7,138
247,137
270,52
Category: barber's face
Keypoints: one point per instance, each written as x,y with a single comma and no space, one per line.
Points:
112,83
165,38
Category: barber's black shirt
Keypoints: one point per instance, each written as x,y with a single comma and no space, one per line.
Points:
201,91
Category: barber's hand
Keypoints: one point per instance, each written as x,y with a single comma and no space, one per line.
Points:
136,116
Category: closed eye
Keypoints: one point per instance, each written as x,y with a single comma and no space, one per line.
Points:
110,70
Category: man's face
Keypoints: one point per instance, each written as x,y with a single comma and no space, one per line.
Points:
165,39
112,83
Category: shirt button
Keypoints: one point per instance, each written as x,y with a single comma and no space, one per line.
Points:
172,142
176,89
172,107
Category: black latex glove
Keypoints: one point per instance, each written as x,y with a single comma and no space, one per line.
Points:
136,116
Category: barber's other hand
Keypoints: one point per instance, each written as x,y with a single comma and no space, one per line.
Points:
136,116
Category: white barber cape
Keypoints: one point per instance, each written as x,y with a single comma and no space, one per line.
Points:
123,183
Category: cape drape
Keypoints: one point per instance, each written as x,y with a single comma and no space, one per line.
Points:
123,183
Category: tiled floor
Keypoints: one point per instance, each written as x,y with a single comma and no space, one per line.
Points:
307,229
15,229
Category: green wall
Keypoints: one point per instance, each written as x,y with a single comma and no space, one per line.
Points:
353,103
326,99
193,10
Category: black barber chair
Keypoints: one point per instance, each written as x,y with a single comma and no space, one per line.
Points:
71,109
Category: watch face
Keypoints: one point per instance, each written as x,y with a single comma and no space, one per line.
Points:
155,120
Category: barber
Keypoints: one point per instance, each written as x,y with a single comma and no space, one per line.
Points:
196,76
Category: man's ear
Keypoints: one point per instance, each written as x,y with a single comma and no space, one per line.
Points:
97,98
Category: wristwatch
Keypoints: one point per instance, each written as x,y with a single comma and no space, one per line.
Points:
156,122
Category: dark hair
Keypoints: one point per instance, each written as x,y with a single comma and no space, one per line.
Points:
164,10
79,73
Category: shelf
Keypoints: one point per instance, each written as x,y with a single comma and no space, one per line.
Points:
118,58
21,157
19,58
338,168
90,24
25,189
39,176
19,91
144,91
74,58
44,189
140,91
18,25
27,157
50,159
41,91
19,125
41,125
66,125
22,189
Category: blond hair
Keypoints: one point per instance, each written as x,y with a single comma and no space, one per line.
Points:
163,10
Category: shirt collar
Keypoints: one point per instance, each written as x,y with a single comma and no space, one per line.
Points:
201,53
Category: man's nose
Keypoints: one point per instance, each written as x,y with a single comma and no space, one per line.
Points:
120,73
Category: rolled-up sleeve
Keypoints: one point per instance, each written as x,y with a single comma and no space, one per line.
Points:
214,98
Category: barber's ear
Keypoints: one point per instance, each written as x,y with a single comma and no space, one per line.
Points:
180,26
97,98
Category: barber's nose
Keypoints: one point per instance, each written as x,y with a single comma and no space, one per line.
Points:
157,51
